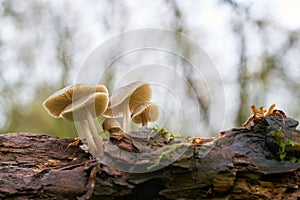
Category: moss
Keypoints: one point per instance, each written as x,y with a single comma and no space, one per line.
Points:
163,132
283,145
295,160
165,155
252,176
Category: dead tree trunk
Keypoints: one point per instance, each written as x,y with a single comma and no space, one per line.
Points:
260,163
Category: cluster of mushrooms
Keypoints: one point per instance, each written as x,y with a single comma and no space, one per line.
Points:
258,114
83,103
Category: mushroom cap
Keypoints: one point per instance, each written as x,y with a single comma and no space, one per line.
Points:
135,93
96,103
111,125
76,97
148,110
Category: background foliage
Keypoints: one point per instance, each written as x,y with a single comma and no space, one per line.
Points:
255,46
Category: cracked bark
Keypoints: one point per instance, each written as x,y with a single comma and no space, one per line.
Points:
237,164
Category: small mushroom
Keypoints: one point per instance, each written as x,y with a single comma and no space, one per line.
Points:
144,113
125,99
111,125
81,103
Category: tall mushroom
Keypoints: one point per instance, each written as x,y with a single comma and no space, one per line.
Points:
125,99
81,103
144,113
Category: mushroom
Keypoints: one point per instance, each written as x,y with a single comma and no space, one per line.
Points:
125,99
111,125
144,113
81,103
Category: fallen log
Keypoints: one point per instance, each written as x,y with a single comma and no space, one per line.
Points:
261,162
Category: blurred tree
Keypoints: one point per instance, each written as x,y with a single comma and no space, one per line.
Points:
30,85
39,43
268,80
203,100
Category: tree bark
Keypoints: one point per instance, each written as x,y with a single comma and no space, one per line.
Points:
236,164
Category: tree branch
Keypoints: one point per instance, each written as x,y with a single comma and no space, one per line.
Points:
238,163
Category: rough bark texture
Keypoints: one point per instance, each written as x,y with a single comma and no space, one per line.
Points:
237,164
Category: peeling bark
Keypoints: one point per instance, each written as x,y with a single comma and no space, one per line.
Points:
237,164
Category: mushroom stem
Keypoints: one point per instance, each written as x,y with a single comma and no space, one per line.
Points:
97,139
126,118
144,121
86,132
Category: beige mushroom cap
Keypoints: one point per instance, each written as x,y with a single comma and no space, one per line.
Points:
135,93
111,125
144,113
70,101
96,103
